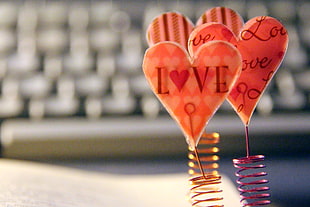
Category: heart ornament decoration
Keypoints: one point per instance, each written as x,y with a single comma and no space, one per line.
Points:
222,15
192,88
169,26
262,43
209,32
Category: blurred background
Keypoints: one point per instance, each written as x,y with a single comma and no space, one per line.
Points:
72,92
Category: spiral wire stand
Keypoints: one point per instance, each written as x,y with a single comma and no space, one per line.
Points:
204,178
251,184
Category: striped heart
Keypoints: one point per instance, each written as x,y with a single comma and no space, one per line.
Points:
170,26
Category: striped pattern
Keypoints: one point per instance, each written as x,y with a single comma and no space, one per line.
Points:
225,16
170,26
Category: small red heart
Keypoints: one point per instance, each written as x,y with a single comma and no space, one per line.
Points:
179,79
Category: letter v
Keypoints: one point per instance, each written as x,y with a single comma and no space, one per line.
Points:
200,82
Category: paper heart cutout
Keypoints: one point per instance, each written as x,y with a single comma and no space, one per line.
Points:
262,44
208,32
199,91
222,15
170,26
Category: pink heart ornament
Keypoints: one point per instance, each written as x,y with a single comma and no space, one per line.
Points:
189,96
262,44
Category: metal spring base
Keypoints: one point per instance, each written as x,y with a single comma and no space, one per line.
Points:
251,186
205,186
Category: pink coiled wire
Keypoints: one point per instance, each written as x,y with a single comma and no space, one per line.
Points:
251,184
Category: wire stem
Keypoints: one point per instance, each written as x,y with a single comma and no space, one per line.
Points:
199,163
247,140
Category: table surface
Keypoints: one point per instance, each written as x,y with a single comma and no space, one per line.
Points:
288,176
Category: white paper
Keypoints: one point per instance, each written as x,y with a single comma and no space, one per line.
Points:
25,184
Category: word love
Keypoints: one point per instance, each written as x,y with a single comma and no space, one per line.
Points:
262,43
192,88
273,32
257,62
179,79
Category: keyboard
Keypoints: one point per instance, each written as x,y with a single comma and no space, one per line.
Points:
71,82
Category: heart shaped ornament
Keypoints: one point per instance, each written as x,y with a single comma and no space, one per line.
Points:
192,89
209,32
222,15
170,26
262,43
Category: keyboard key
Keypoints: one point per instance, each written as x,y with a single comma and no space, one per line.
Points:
27,43
278,8
255,9
303,11
150,106
3,67
131,42
285,83
106,65
23,63
10,106
35,86
123,105
139,85
129,63
52,40
7,40
93,107
53,13
295,101
27,17
303,79
265,105
65,87
8,13
305,34
78,16
36,108
120,21
120,86
53,66
61,106
104,40
79,42
10,87
91,85
77,64
101,12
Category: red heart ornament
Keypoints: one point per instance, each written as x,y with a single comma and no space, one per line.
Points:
170,26
208,32
192,89
262,43
222,15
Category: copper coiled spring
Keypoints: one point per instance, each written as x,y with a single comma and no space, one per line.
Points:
251,184
204,178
